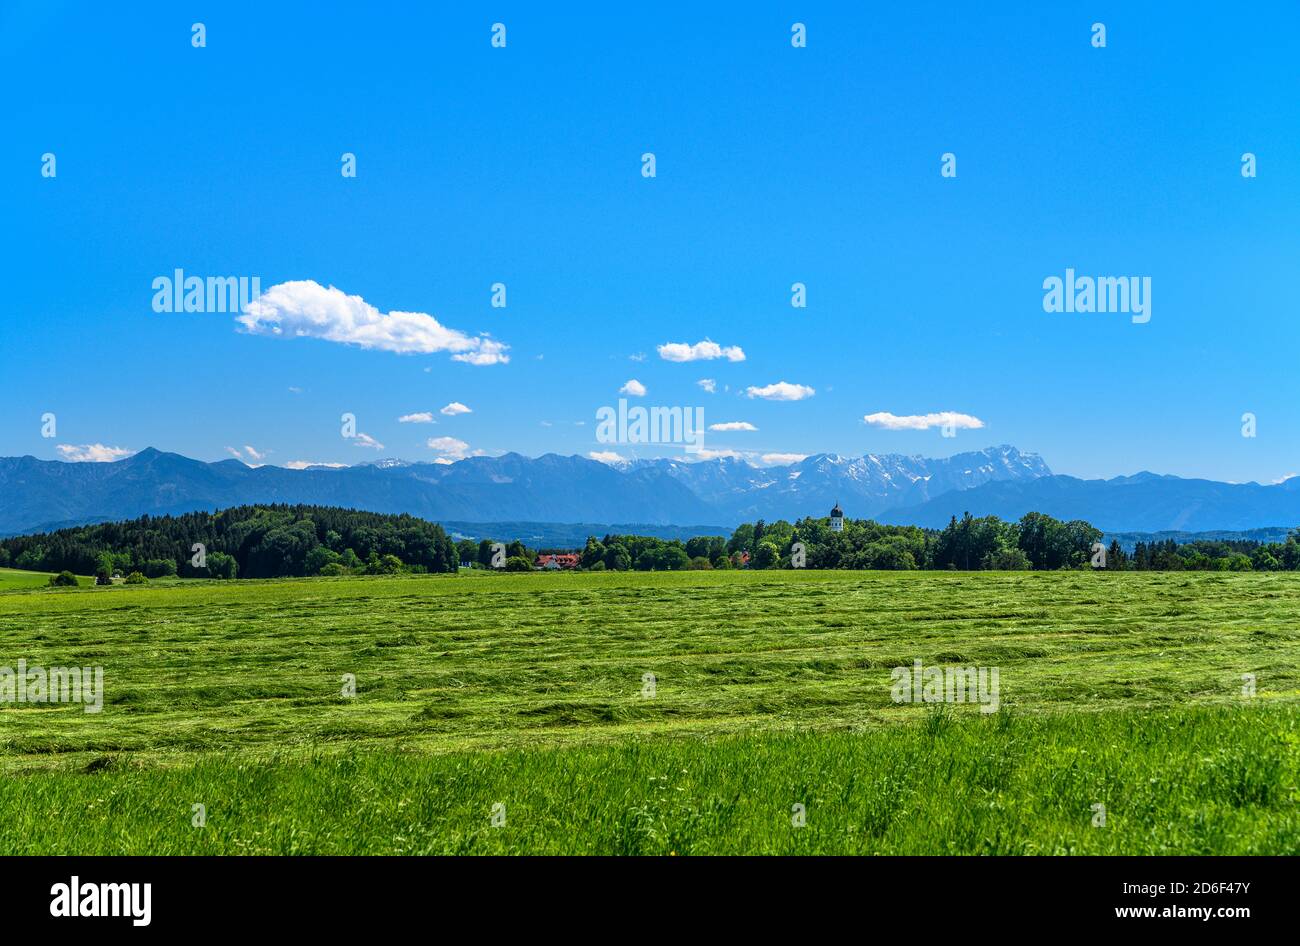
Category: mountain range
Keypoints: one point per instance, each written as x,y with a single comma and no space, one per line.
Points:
39,495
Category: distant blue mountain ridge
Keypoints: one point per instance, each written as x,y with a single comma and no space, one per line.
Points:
40,495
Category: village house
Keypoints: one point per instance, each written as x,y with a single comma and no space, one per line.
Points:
558,560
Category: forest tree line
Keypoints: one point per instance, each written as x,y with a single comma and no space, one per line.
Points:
1036,542
271,541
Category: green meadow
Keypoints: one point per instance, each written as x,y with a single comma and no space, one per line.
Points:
12,579
529,695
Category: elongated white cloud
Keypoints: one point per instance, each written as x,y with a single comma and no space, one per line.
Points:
303,464
92,452
700,351
607,456
634,388
449,447
733,425
454,408
781,391
306,309
365,440
248,455
952,419
423,417
783,459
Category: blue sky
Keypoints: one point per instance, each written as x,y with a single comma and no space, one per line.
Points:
775,165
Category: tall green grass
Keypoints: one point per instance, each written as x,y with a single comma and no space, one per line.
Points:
1191,781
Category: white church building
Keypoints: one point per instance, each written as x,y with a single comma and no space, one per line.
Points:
837,518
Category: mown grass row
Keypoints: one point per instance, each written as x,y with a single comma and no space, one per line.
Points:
501,661
1186,781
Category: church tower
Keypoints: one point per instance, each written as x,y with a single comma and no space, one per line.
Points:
837,518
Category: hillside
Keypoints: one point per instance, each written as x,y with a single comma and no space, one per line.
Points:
246,541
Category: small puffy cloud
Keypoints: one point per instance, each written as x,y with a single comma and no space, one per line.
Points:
449,448
367,441
423,417
781,391
733,425
306,309
887,421
487,352
294,390
92,453
708,384
639,356
634,388
700,351
454,408
783,459
303,464
607,456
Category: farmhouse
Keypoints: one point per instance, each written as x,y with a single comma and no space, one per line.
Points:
558,560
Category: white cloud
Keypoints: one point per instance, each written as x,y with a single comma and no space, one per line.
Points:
634,387
781,391
92,453
248,455
423,417
607,456
303,464
306,309
783,459
705,453
889,421
454,408
733,425
639,356
708,384
449,447
700,351
295,390
487,352
1283,479
365,440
